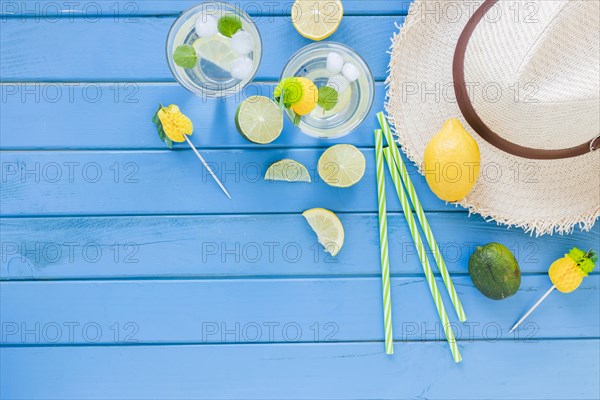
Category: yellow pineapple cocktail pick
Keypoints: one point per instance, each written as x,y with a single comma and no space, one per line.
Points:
566,275
174,126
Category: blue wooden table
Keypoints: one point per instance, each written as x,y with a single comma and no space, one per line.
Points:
127,274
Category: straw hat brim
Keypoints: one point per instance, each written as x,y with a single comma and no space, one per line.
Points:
539,196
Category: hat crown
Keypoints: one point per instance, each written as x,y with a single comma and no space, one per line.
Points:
542,195
534,72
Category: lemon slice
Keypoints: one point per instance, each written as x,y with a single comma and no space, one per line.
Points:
287,170
342,165
259,119
317,19
216,49
328,227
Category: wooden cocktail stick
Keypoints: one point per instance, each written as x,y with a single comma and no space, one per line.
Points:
532,308
207,167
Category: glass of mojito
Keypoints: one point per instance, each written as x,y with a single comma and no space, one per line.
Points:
214,49
327,90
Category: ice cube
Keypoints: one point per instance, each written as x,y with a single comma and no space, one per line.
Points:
335,62
242,43
241,68
351,72
206,25
339,83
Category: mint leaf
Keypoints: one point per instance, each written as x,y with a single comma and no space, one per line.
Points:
297,119
156,121
328,98
160,130
229,24
185,56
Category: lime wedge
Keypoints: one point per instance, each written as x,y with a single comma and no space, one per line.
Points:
342,165
259,119
217,50
287,170
328,227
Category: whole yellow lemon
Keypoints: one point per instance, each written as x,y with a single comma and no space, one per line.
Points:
452,162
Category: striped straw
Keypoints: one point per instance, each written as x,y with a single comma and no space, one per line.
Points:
412,225
410,188
383,244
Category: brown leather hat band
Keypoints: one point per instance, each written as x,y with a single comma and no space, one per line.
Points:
468,111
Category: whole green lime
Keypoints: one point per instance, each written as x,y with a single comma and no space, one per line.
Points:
495,271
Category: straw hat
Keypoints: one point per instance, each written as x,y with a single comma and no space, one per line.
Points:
531,71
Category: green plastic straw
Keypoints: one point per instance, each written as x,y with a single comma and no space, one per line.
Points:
383,244
437,254
412,224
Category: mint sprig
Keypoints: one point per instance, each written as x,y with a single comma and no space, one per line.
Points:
280,100
285,95
328,98
185,56
296,118
229,24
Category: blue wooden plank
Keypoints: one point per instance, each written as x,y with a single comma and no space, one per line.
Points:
118,117
174,182
299,310
500,370
106,50
130,10
249,246
130,48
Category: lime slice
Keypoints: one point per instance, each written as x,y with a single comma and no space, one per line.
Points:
317,19
287,170
259,119
217,50
342,165
328,227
